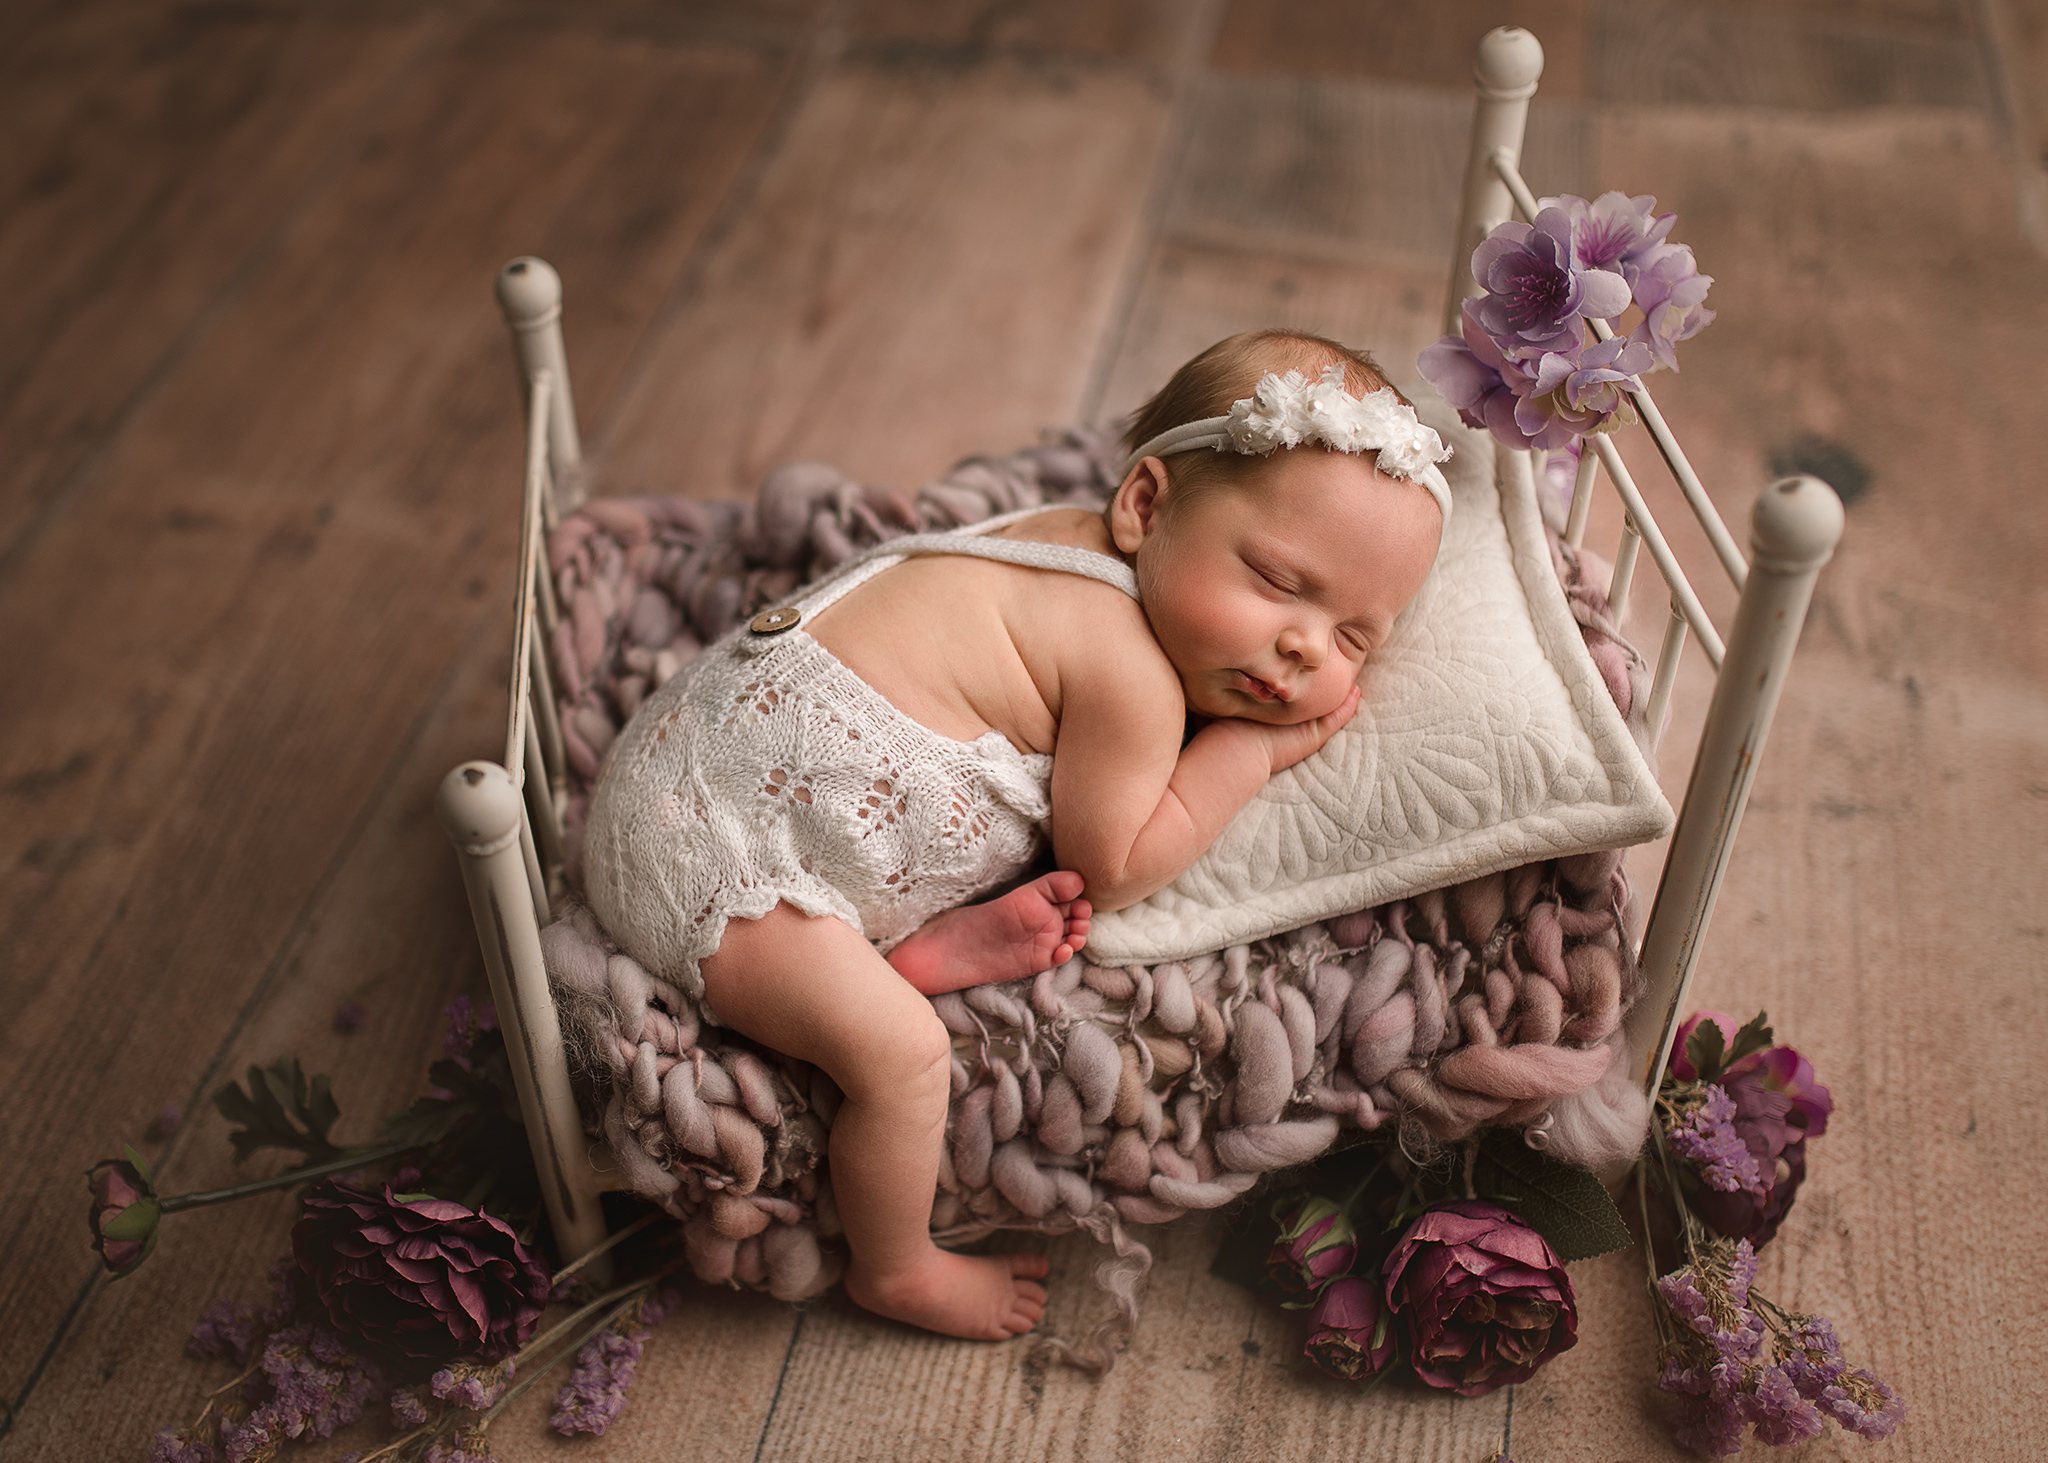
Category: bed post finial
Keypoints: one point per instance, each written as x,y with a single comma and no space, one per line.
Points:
483,814
1792,533
530,295
1505,72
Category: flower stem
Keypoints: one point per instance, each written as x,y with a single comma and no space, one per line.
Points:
353,1158
618,1239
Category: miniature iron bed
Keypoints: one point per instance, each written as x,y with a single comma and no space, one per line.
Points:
505,818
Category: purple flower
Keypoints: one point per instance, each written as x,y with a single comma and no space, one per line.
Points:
175,1447
124,1211
1669,289
466,1022
1863,1404
468,1446
166,1121
1706,1138
1779,1414
1316,1245
1535,287
408,1410
227,1328
1778,1106
1580,391
1613,229
319,1386
596,1391
349,1018
469,1387
1350,1332
420,1280
1481,1296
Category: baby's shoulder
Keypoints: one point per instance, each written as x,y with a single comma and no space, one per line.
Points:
1075,528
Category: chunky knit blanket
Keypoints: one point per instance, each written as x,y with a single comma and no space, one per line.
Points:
1089,1097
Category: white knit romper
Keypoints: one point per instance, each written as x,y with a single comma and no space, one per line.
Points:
767,771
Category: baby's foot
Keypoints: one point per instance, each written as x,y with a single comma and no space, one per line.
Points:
974,1297
1027,930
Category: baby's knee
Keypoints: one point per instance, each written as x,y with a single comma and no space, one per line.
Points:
909,1056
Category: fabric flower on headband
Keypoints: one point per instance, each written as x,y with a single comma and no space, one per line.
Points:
1285,411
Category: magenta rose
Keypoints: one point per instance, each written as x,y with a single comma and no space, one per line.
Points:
418,1279
124,1213
1350,1332
1482,1298
1316,1245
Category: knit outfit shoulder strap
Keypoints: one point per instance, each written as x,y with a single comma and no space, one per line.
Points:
975,542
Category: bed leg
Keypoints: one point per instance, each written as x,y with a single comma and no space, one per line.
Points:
1509,62
1793,532
530,294
483,814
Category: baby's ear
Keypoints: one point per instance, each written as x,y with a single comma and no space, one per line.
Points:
1134,511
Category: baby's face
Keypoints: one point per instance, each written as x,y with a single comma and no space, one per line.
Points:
1269,596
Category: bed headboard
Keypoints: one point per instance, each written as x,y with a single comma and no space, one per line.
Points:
1793,532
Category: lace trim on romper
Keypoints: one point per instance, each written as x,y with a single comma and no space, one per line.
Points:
767,771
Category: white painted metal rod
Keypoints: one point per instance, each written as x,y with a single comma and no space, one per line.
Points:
1504,165
1582,499
547,719
524,611
1660,552
530,295
1624,570
1793,532
541,812
481,811
1667,673
1505,72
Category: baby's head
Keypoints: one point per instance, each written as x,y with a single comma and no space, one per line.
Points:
1269,579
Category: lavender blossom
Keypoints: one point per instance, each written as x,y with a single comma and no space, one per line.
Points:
1864,1405
1670,290
1706,1139
1779,1414
1536,289
320,1386
1613,229
596,1391
225,1329
175,1447
407,1409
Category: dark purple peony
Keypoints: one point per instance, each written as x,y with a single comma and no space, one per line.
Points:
1482,1297
418,1279
1350,1332
1535,287
1779,1104
124,1213
1316,1245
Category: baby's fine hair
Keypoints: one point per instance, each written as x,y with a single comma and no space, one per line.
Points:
1226,372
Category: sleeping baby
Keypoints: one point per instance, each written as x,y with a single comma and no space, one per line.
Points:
796,827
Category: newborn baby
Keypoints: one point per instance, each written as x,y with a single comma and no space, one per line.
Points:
793,827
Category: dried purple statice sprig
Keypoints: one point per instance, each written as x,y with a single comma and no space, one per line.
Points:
596,1391
1700,1127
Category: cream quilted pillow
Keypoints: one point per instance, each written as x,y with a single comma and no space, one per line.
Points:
1487,740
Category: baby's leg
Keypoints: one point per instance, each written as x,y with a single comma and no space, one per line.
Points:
814,989
1023,932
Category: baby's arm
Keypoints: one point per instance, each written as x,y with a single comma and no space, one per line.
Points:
1132,809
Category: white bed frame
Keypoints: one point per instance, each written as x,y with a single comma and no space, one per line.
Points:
504,817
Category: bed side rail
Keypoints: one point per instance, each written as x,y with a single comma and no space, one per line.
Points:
505,820
1793,532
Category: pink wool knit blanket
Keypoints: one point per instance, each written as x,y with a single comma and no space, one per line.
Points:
1088,1097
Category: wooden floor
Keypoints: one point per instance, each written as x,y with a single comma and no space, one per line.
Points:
260,455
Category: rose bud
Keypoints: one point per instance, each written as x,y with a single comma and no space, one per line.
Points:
1350,1333
124,1213
418,1279
1316,1245
1482,1298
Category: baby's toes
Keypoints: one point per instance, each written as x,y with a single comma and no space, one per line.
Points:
1029,1266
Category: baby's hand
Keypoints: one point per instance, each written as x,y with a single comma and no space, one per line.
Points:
1289,744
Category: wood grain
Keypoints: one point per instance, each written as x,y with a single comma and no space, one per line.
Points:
319,492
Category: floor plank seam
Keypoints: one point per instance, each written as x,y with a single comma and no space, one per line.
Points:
294,936
1191,65
825,44
71,480
796,1333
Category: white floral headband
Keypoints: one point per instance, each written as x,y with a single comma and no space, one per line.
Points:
1284,411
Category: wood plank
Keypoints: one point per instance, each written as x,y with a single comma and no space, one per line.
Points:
1770,55
1148,31
322,493
1430,45
137,186
924,273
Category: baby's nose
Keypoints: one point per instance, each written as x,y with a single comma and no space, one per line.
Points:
1300,643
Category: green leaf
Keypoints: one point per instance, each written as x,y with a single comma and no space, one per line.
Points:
1564,1203
280,1109
1755,1037
137,1221
141,1165
1706,1050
